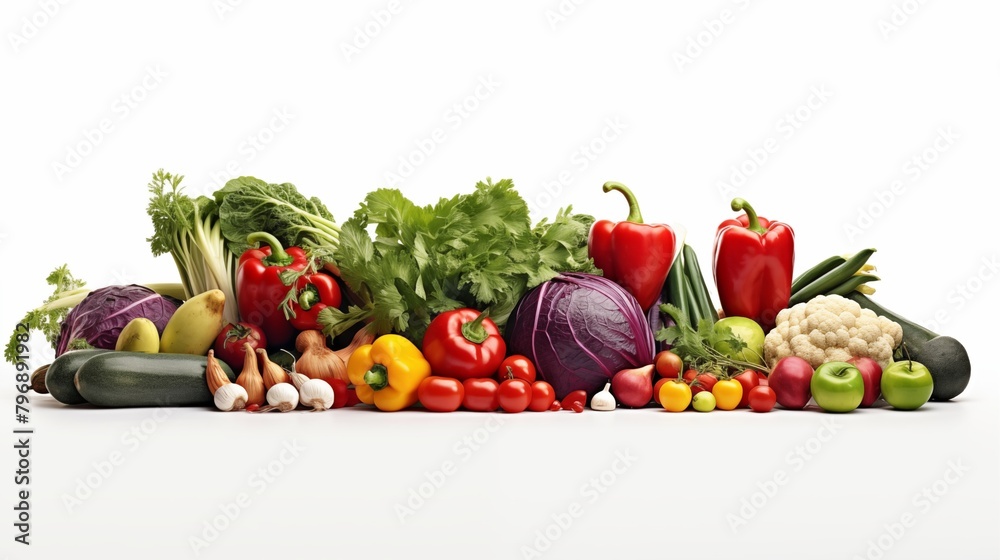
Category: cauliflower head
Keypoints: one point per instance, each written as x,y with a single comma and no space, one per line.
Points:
831,328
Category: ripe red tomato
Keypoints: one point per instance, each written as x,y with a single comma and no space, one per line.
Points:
339,387
543,396
441,394
229,344
748,379
514,395
481,394
656,389
668,365
578,396
699,381
762,398
518,365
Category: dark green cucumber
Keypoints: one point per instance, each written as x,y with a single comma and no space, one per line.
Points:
59,377
814,273
852,284
676,287
833,278
699,288
133,379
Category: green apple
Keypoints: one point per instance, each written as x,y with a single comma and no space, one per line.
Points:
837,387
749,332
704,401
907,385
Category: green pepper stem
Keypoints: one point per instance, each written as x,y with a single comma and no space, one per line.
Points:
754,222
377,378
634,215
278,256
475,332
308,297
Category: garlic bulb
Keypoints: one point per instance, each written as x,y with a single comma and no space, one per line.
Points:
283,396
230,397
603,400
316,393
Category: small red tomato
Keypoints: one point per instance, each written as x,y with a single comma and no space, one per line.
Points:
656,389
578,396
668,365
577,406
748,379
229,344
352,397
762,398
339,387
252,407
481,394
543,396
440,394
556,405
514,395
517,365
703,382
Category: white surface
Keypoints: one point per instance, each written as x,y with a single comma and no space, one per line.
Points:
214,80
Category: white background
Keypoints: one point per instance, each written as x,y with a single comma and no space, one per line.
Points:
896,76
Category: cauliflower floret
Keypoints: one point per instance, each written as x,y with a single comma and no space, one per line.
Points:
831,329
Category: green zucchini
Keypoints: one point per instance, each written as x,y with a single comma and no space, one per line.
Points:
59,377
134,379
946,358
698,287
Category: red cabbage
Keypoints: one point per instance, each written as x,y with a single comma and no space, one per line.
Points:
579,330
102,315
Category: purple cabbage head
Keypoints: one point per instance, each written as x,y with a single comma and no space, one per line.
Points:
579,330
102,315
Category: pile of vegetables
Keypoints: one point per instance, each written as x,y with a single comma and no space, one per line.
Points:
466,304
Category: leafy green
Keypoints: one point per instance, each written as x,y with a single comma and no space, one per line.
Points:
189,229
473,250
248,205
48,317
697,346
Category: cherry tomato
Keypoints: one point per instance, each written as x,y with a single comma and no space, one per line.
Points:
699,381
675,396
579,396
440,394
703,401
556,405
514,395
229,344
748,379
668,364
656,389
762,398
339,387
543,396
728,393
352,397
481,394
252,407
517,365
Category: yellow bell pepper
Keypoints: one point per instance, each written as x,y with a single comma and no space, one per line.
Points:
388,372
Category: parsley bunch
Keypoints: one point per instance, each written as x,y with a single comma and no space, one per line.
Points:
474,250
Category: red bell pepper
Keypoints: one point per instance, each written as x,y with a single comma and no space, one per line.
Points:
635,255
260,290
314,293
753,265
463,344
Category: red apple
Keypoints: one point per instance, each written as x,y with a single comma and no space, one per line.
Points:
633,387
790,380
871,372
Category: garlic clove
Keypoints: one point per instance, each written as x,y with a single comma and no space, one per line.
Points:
603,400
283,396
230,397
317,394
